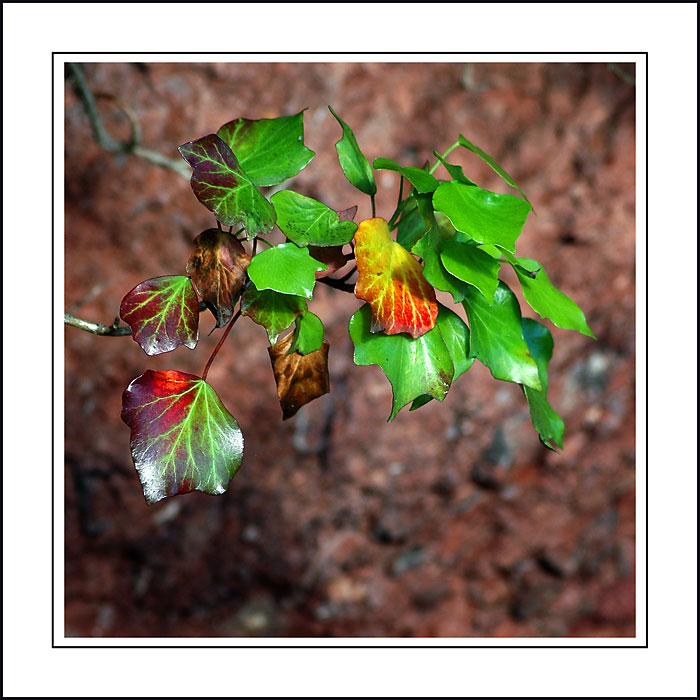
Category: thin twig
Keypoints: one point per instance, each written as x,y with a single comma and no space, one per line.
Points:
112,145
337,284
115,330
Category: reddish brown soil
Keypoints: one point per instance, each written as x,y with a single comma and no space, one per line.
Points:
451,521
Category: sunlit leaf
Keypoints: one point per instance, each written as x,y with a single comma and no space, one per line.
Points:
547,421
221,186
353,162
307,221
469,264
299,378
218,270
548,301
392,281
286,268
182,437
414,366
455,171
497,336
272,310
163,313
268,150
308,334
486,217
420,179
491,163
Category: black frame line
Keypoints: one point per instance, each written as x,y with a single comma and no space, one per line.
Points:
336,646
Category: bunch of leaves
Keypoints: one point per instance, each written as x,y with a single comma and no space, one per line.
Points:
444,234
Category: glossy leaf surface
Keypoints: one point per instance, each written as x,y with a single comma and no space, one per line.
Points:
307,221
414,366
268,150
218,270
492,164
548,301
547,421
272,310
392,281
486,217
456,172
163,313
497,336
469,264
299,378
429,249
182,437
221,186
423,181
286,268
353,162
308,334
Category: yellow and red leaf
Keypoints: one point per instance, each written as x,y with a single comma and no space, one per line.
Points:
391,280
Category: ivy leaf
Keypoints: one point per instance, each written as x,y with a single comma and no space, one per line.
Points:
218,270
268,150
353,162
412,227
414,366
308,222
486,217
497,337
299,378
392,281
548,301
547,421
455,171
308,334
272,310
469,264
286,268
492,164
429,249
423,182
221,186
163,312
332,257
182,437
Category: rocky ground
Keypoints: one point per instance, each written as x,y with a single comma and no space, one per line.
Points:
451,521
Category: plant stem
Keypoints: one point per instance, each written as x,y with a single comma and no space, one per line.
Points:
374,212
444,155
220,343
397,211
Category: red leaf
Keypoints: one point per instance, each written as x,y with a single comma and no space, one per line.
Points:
163,313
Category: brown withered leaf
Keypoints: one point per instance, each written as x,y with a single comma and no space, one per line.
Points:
347,214
299,378
217,268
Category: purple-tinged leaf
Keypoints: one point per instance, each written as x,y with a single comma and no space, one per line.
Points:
222,186
163,312
182,437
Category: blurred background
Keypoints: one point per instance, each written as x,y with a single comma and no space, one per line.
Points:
451,521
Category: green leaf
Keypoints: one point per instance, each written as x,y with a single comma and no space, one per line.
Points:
429,249
268,150
163,313
414,366
411,227
469,264
545,419
455,171
497,336
492,163
548,301
308,334
182,437
486,217
286,268
309,222
272,310
422,181
221,186
353,162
